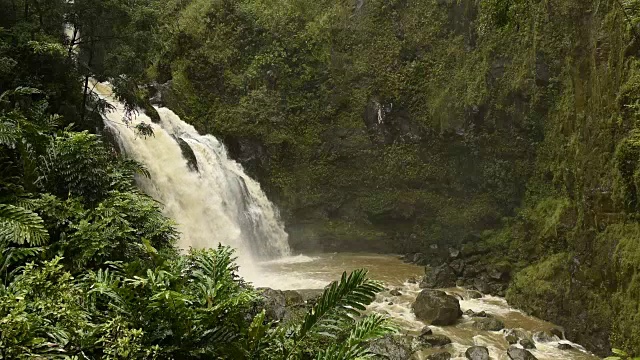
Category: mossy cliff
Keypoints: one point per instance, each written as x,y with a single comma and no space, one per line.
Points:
397,125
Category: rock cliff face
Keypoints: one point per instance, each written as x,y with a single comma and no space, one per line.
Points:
504,129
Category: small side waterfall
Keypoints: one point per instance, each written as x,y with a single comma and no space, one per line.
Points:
213,202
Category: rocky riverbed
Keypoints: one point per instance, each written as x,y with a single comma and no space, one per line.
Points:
433,324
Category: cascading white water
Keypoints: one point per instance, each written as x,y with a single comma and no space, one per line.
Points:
217,203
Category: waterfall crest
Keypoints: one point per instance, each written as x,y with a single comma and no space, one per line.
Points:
213,202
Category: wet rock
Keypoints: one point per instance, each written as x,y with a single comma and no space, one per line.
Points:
439,277
482,285
545,336
515,353
293,298
557,332
435,340
310,296
390,303
274,303
418,258
472,313
395,292
426,331
477,353
527,344
412,280
514,335
392,347
439,356
488,324
435,307
565,346
187,153
457,266
473,294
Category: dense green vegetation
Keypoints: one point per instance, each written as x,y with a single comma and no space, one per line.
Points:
396,125
88,264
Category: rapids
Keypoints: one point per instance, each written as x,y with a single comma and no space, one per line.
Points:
317,271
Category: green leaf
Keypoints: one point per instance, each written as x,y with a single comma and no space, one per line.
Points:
19,226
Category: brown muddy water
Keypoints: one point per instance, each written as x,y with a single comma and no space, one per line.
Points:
315,272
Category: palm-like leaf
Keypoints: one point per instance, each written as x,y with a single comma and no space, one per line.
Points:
371,327
9,134
341,302
19,226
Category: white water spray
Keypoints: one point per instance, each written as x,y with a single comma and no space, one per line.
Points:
217,203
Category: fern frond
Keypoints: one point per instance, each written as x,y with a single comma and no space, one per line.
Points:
371,327
19,226
9,134
341,302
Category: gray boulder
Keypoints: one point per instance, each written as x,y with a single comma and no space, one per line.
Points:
487,324
442,276
274,303
565,346
515,353
472,294
545,336
477,353
457,266
392,347
527,344
439,356
426,331
514,335
435,307
435,340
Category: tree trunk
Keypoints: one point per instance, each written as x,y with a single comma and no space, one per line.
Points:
86,82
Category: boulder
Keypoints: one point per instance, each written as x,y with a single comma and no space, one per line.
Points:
472,294
477,353
442,276
457,266
515,353
557,332
514,335
439,356
476,314
392,347
454,253
488,324
527,344
565,346
418,258
435,307
187,153
412,280
293,298
545,336
482,285
395,292
274,303
426,331
435,340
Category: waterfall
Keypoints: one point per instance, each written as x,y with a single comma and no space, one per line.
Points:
212,201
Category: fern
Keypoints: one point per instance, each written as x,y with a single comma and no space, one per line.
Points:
19,226
371,327
9,134
341,303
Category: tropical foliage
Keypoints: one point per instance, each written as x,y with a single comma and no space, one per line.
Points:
88,263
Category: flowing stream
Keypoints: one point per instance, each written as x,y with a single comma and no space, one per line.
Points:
213,201
317,271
